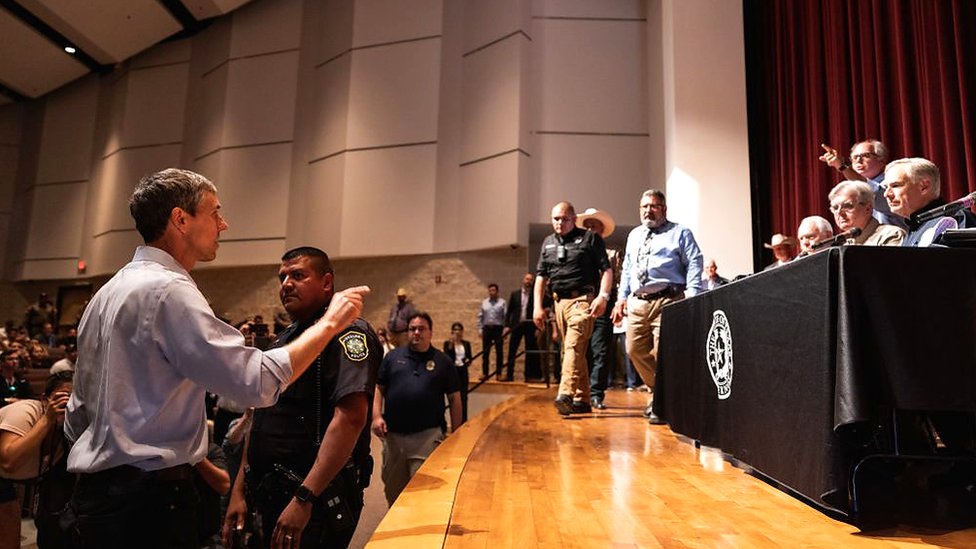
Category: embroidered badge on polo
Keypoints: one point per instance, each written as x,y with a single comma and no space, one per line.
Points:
430,365
354,346
718,351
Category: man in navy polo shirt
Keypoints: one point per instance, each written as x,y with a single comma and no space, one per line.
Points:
408,405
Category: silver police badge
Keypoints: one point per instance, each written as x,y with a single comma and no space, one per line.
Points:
719,354
354,345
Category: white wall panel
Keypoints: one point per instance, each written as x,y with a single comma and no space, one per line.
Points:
118,177
207,124
253,190
382,21
388,202
323,207
492,100
59,212
588,8
155,105
264,27
606,172
488,20
330,116
488,195
260,105
394,94
66,141
593,76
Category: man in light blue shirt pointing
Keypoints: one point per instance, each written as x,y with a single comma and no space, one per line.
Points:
662,264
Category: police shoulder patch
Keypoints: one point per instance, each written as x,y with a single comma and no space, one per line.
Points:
354,346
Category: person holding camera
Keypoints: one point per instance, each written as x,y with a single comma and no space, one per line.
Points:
574,263
33,448
306,459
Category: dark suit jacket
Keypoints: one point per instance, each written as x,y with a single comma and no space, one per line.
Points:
515,308
449,350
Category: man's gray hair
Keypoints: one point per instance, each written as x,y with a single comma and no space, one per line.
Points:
861,189
654,193
157,194
822,225
918,169
877,147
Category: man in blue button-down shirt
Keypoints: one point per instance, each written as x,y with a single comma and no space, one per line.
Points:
662,264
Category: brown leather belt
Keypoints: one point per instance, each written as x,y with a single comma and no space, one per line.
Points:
670,291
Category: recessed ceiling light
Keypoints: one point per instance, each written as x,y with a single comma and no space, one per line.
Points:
70,49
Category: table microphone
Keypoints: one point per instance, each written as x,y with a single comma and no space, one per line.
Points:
949,209
853,232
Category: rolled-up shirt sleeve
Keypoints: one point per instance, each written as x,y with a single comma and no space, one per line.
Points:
212,353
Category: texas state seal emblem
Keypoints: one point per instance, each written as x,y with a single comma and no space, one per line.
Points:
718,351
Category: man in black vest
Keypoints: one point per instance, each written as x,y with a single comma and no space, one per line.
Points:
307,457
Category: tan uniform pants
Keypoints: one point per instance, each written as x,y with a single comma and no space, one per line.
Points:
643,334
403,454
575,326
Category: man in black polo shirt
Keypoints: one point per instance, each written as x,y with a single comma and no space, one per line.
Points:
408,406
574,263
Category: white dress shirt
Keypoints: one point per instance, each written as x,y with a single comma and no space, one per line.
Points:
149,347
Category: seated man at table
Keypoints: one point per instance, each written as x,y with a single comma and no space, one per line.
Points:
812,230
851,202
912,186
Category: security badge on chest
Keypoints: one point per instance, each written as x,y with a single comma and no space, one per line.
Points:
354,346
430,365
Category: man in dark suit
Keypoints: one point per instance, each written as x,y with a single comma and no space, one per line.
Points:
712,280
518,319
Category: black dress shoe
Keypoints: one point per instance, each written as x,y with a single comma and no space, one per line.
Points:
597,403
581,408
653,419
564,404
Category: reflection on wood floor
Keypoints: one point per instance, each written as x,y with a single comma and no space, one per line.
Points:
519,475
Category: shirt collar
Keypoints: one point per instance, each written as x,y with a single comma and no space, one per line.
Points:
158,255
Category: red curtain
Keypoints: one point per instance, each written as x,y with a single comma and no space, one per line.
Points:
837,72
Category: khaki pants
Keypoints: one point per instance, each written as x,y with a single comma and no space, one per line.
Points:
403,454
643,334
575,327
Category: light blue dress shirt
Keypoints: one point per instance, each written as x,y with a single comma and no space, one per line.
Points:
673,257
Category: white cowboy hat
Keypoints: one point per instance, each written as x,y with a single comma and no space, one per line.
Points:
599,215
781,240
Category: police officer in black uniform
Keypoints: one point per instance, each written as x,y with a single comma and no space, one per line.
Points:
573,261
307,457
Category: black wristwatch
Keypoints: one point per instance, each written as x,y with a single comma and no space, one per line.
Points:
304,495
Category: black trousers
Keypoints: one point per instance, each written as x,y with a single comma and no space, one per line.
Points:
462,373
491,336
524,330
125,507
600,356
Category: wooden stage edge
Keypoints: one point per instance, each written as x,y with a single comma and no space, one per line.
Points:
519,475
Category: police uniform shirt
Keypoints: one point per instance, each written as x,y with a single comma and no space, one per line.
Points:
414,388
580,264
286,432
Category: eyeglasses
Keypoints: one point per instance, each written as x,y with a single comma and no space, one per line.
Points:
862,156
846,206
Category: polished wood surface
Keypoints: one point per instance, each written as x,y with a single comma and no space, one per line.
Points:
522,476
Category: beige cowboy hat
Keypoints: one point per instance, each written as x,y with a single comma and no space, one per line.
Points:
781,240
599,215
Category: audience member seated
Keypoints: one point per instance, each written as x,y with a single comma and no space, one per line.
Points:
66,364
868,160
784,248
812,230
852,205
912,186
14,386
47,337
711,278
40,312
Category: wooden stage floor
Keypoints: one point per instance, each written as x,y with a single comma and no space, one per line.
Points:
519,475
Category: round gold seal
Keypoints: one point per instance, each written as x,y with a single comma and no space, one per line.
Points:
430,365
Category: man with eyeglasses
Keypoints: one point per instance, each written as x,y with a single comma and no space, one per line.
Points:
912,186
851,204
867,163
408,405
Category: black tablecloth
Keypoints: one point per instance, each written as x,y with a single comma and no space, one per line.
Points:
822,350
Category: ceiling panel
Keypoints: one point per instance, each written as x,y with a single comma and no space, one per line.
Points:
118,29
205,9
30,64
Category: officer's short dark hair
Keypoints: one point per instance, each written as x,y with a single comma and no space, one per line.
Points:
157,194
493,285
423,315
319,259
57,380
